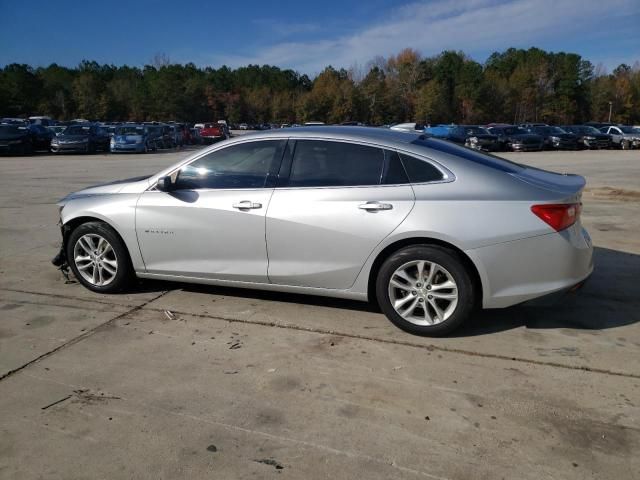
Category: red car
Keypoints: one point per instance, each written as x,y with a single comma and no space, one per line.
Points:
212,132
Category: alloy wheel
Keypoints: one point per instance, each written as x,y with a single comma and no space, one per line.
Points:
423,292
95,259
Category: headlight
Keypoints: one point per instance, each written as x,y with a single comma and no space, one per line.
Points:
555,139
14,142
473,139
112,142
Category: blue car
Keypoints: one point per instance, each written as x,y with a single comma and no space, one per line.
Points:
439,131
133,138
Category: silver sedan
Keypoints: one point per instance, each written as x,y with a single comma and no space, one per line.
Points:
427,229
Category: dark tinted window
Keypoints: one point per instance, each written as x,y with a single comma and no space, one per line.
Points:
318,163
78,130
394,173
475,156
420,171
239,166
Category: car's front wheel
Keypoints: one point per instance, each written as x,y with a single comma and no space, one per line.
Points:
99,258
425,290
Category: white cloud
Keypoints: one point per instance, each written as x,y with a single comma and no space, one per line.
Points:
473,26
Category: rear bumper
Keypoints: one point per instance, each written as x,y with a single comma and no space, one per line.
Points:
521,270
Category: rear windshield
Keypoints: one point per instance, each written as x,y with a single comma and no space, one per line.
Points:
470,154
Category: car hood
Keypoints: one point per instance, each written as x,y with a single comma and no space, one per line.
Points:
525,136
566,136
484,136
71,138
130,185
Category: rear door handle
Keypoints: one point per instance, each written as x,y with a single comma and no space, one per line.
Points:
247,205
375,206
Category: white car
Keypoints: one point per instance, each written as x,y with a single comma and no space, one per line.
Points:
623,136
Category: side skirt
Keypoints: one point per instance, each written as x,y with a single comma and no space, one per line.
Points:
322,292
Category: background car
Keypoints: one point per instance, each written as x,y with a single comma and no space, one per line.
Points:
212,132
82,137
622,136
132,138
517,139
363,213
474,136
589,137
24,138
15,139
555,137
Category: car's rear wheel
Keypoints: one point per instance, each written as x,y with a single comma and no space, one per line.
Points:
99,258
425,290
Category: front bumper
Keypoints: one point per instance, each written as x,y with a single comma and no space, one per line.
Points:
526,147
70,147
517,271
127,147
564,144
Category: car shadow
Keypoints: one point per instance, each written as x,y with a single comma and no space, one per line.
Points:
609,299
270,296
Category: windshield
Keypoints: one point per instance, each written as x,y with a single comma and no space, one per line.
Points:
548,130
587,129
628,129
470,154
130,130
514,131
77,130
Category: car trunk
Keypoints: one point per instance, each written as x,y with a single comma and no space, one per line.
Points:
569,185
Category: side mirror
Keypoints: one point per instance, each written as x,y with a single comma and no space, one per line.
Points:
166,184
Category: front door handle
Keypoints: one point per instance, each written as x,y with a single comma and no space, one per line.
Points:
247,205
375,206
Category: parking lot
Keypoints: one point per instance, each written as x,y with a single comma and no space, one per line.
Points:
186,381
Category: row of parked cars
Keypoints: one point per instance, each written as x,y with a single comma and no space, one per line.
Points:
534,137
23,137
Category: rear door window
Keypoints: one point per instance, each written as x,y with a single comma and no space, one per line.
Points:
319,163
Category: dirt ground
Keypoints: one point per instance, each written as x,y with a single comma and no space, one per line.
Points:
245,384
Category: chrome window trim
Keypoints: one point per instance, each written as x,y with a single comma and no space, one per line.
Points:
448,176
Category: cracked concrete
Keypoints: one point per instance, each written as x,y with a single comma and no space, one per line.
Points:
238,383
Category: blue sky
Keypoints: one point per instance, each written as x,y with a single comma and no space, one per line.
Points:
308,35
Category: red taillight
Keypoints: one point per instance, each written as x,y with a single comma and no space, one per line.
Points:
558,215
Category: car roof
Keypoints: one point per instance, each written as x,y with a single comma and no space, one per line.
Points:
363,134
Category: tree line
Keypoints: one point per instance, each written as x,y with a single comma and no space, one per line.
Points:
513,86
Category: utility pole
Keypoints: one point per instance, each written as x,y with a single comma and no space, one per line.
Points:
610,107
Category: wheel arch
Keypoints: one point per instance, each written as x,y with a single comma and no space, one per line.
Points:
71,224
407,242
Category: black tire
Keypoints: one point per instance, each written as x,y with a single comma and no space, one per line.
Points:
124,273
449,260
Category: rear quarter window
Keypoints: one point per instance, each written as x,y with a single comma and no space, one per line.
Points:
475,156
420,171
